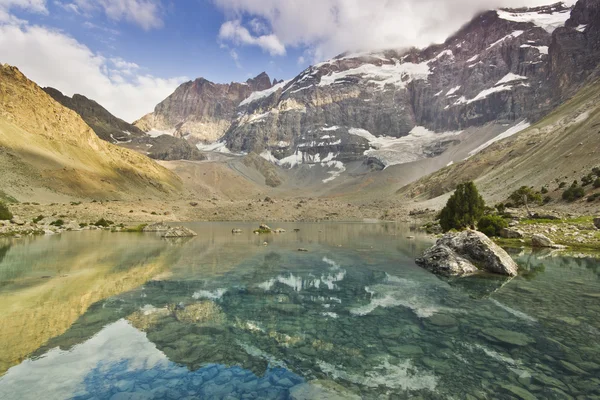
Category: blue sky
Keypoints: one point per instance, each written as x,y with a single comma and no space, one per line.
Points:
131,54
187,43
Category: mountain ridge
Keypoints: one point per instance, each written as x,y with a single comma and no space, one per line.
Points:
116,131
200,110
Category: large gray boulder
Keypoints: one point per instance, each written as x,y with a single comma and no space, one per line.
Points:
442,260
465,253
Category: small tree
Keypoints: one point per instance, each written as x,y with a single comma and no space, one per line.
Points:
463,209
5,214
525,195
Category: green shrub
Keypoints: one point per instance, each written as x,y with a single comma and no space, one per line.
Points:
5,214
83,224
593,197
525,195
38,219
573,193
500,207
597,183
491,225
75,203
104,223
547,199
587,179
463,209
596,171
562,185
58,222
544,190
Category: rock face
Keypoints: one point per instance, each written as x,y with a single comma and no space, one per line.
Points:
116,131
465,253
201,111
504,66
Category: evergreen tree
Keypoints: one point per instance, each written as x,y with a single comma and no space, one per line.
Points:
463,209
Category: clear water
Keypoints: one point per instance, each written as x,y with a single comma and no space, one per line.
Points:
132,316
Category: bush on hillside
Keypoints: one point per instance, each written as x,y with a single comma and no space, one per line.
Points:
491,225
104,223
5,214
573,193
597,183
525,195
463,209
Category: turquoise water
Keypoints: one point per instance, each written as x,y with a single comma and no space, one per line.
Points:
132,316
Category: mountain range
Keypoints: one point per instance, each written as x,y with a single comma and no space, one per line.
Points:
365,125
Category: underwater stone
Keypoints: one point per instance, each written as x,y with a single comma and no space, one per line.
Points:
508,337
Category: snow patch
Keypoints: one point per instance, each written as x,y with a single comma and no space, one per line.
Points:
547,21
217,147
514,34
254,96
397,74
394,151
157,133
581,28
510,77
453,90
541,49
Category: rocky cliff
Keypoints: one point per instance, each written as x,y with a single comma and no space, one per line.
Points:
201,111
47,152
507,67
116,131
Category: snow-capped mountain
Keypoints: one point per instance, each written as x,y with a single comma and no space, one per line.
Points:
505,67
502,71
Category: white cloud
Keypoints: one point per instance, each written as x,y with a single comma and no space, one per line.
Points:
145,13
326,28
51,58
238,34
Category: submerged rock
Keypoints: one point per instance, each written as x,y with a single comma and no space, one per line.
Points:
179,232
465,253
507,337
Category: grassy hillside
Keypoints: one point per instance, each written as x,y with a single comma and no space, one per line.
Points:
48,153
562,147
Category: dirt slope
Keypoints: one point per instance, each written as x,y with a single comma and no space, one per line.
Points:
48,153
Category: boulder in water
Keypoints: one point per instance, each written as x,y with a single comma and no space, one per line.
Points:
465,253
179,232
